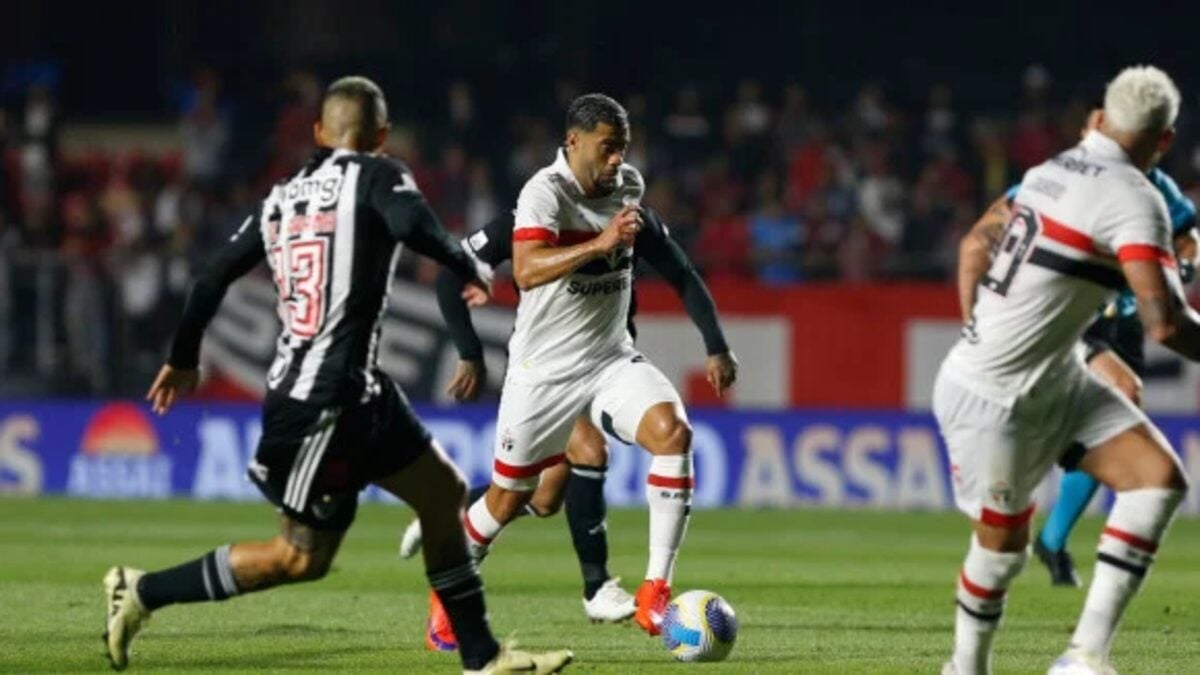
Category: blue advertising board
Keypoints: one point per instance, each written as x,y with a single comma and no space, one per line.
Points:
835,459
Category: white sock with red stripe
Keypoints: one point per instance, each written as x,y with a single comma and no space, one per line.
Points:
669,495
982,587
1136,525
482,528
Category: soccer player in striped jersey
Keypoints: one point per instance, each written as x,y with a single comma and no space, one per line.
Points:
580,480
1014,391
332,421
1114,350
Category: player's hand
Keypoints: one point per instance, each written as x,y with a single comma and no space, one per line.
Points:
170,384
1116,372
621,230
476,294
722,371
468,381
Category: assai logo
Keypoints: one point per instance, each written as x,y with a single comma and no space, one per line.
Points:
119,456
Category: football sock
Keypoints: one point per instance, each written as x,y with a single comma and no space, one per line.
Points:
1074,493
669,495
586,511
209,577
1136,525
482,528
461,591
982,587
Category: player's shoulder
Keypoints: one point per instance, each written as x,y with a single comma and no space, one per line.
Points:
372,164
545,185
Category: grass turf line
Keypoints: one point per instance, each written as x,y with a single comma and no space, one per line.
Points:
815,592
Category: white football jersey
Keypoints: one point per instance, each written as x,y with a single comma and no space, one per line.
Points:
564,328
1074,219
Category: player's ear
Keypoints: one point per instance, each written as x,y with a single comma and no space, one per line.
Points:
317,133
1166,139
381,137
572,138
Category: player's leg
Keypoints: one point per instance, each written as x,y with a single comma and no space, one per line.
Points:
532,429
1077,488
1139,466
545,502
1075,492
587,454
996,465
290,468
402,457
637,402
298,553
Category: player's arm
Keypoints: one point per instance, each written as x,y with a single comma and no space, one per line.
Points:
655,246
536,257
394,194
180,374
1162,305
1103,360
975,252
492,245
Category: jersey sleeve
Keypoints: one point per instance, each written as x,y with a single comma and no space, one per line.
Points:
492,243
655,246
536,217
1134,225
241,254
392,192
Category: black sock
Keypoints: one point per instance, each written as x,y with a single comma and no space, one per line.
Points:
586,510
477,493
461,591
207,578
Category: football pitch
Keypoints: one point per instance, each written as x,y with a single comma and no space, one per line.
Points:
815,592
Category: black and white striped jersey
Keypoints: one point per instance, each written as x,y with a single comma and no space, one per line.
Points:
331,235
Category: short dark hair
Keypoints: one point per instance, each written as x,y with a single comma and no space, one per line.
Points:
369,97
589,110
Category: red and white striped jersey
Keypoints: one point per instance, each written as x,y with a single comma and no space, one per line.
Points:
565,327
1074,219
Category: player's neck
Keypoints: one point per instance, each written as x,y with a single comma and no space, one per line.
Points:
590,190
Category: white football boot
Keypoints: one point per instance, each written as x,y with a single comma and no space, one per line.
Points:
125,613
410,543
1080,662
610,603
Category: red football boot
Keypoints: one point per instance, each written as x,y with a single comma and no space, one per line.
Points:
439,634
651,600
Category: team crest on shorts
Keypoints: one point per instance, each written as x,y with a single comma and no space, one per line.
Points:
1002,493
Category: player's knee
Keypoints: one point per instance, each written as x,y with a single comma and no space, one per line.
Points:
545,508
1002,539
298,565
590,451
676,437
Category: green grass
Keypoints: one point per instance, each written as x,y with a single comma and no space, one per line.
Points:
816,592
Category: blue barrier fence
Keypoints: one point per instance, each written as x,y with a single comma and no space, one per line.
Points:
837,459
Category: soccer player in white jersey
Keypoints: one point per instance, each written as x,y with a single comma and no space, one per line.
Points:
571,354
1014,390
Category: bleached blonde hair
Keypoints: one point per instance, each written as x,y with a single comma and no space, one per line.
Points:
1141,98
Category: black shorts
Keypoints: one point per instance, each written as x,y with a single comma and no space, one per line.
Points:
312,461
1123,335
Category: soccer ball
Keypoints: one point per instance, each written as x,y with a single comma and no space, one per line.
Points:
699,626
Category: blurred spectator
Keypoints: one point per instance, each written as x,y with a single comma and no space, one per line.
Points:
205,131
776,237
881,198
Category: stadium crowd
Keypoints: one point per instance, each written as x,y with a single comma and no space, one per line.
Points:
760,184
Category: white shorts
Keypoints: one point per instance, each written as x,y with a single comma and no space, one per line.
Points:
535,420
999,454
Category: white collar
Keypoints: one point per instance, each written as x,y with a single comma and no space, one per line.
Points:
1104,147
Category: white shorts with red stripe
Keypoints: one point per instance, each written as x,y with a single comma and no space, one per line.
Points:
535,419
1000,453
